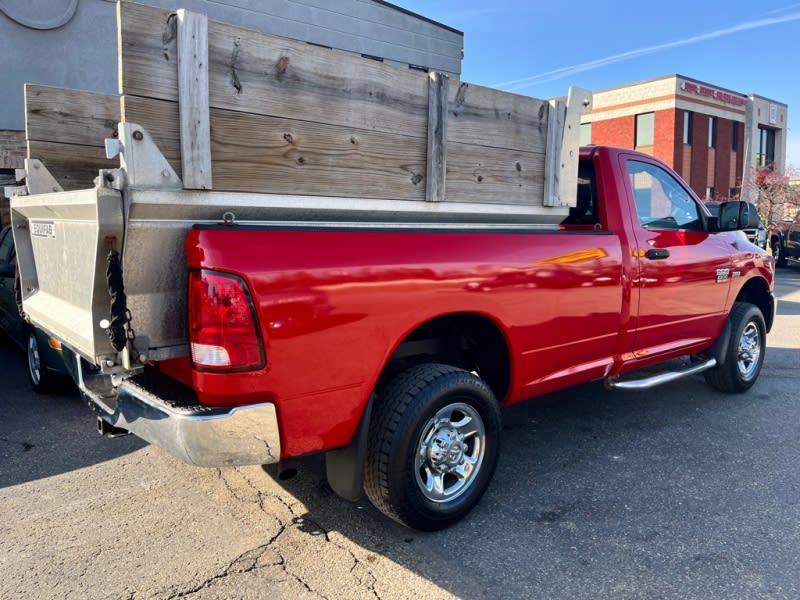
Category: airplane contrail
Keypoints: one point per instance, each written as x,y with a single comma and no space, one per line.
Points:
547,76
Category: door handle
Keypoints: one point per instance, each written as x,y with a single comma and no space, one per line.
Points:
657,254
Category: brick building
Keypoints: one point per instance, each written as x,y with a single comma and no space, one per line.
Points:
711,136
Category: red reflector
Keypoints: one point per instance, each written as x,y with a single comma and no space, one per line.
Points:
222,323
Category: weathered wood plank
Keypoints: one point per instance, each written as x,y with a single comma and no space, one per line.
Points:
555,140
287,156
193,100
272,155
265,74
437,137
578,102
494,175
74,166
69,116
487,117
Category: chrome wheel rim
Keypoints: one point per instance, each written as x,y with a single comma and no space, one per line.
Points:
749,351
450,452
34,361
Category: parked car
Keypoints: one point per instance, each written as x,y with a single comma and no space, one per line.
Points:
784,240
755,235
45,364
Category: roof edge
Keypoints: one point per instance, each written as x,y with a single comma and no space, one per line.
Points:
418,16
760,97
680,76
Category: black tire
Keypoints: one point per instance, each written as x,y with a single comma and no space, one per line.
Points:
744,356
777,252
452,413
40,377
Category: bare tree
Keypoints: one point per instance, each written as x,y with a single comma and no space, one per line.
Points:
778,199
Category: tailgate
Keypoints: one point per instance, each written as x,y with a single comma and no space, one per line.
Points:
63,240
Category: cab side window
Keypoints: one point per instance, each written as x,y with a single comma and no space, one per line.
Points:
662,202
586,212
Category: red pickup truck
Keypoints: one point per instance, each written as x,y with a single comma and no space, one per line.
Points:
392,347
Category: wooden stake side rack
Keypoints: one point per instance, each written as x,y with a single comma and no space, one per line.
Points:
243,111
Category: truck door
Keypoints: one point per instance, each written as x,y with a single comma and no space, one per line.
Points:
682,272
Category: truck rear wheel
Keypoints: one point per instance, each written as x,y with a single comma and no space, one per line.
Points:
433,446
745,354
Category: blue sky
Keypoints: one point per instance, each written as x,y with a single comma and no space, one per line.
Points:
540,49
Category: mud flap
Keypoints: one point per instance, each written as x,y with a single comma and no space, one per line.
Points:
345,466
720,348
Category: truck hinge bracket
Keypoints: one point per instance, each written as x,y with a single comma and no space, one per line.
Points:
111,178
142,162
38,179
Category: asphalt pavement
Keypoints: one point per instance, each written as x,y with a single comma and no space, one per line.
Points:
679,492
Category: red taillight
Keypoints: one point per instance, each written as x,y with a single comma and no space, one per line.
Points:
222,323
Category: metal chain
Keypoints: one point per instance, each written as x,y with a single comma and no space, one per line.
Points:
131,335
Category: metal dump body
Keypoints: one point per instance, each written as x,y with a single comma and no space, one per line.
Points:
61,254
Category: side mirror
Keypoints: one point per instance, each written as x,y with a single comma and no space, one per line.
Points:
735,215
8,270
730,215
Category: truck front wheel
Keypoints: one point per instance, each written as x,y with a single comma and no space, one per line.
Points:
745,353
433,446
777,252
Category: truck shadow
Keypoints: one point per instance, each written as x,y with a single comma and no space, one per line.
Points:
46,435
587,478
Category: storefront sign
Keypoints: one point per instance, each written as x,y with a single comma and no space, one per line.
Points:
773,114
702,90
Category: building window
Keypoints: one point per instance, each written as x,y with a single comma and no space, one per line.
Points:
766,147
712,132
586,134
709,193
733,193
734,136
687,127
644,129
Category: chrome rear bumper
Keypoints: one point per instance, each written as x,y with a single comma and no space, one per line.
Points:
197,435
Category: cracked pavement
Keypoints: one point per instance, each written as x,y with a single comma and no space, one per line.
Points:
683,492
168,530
